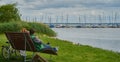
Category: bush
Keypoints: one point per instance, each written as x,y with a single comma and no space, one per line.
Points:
9,12
12,26
42,28
17,26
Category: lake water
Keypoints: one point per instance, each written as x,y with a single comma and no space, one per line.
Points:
105,38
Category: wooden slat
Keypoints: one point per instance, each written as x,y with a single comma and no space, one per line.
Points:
18,39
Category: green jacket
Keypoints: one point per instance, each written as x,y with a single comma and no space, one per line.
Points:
38,44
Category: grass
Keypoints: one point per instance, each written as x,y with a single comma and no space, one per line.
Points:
69,52
17,26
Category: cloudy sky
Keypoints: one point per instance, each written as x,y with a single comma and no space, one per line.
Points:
53,8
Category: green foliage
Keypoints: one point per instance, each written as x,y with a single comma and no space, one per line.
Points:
12,26
17,26
10,16
42,28
8,13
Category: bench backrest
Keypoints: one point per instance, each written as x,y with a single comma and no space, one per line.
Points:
20,41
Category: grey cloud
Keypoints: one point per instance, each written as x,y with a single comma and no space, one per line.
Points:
38,0
46,4
55,4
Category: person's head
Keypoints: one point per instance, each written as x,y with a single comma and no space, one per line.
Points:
32,31
24,30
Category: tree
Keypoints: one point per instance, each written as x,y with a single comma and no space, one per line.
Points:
8,13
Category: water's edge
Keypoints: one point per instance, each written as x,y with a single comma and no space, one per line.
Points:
105,38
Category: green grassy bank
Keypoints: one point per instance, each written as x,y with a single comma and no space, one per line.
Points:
69,52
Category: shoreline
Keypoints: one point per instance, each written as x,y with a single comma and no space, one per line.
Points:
68,50
101,38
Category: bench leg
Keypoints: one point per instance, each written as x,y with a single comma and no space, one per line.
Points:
38,58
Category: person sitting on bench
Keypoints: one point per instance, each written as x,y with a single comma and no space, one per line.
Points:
38,43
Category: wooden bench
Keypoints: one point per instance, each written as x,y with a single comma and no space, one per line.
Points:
22,41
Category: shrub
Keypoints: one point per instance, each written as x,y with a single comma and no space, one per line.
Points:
17,26
12,26
9,12
42,28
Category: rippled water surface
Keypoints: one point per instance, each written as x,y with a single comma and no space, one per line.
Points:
106,38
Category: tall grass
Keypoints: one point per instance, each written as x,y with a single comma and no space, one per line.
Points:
42,28
17,26
11,26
